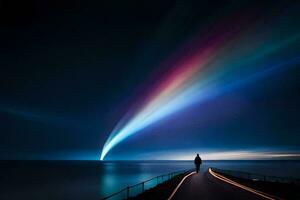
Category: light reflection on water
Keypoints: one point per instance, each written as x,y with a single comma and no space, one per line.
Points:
132,172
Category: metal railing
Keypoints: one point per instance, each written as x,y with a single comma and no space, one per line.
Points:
258,177
134,190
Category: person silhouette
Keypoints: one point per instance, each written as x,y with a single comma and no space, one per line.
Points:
197,162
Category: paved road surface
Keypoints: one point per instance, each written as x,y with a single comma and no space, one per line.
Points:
204,186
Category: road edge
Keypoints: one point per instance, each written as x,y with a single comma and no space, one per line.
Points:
178,186
227,180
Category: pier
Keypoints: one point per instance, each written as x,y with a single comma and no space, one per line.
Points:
213,184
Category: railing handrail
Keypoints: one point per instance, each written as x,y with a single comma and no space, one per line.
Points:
114,194
256,174
143,182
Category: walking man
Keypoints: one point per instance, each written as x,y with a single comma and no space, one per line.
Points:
197,162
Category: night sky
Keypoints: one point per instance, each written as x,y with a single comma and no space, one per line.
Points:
70,71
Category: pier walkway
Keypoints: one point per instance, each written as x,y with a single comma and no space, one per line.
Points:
206,186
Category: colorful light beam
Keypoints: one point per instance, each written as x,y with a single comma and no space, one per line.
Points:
211,69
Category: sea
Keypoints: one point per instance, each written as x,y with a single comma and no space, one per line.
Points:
97,179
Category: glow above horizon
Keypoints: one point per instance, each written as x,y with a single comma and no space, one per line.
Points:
208,69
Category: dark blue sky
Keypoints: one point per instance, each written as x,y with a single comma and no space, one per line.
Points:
70,70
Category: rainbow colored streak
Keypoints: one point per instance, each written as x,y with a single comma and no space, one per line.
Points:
206,71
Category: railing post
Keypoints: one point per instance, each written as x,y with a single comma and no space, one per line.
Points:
143,186
127,192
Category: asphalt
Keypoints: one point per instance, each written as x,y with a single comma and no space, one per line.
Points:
204,186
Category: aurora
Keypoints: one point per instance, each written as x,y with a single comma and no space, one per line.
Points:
208,66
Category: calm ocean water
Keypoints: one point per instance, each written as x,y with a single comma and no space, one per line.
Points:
95,179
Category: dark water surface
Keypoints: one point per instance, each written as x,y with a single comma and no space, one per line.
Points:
95,179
